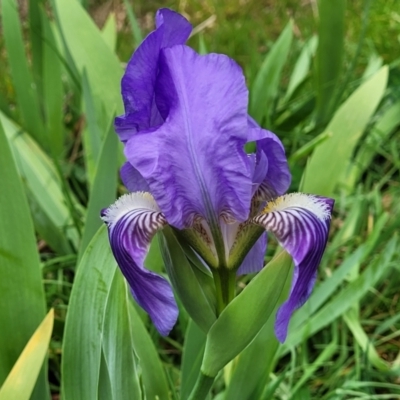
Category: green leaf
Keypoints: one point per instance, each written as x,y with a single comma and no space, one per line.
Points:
193,350
22,305
53,92
109,32
352,320
117,343
104,187
329,161
98,323
36,38
265,86
185,282
251,369
90,52
329,55
97,127
22,378
325,289
44,189
345,299
302,67
375,139
244,317
137,34
24,85
153,374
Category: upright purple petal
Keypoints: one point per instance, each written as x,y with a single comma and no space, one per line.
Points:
140,76
301,224
132,179
254,261
271,169
176,28
132,222
195,163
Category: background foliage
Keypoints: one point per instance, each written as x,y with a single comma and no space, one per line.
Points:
323,75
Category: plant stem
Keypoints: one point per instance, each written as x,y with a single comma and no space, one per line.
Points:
225,282
202,387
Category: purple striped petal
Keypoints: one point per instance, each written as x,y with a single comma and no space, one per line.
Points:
271,170
195,163
132,222
139,79
301,224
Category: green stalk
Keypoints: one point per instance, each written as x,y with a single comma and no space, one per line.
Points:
202,387
225,284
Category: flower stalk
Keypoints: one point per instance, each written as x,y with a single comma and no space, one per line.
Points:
202,387
225,285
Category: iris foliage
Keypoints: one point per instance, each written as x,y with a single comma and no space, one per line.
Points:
336,107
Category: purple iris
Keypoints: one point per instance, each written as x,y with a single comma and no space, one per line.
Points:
184,130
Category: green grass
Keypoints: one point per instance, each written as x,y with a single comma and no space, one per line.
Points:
351,355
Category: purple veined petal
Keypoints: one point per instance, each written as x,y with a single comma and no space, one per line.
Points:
140,76
274,174
132,179
301,223
195,163
254,261
132,222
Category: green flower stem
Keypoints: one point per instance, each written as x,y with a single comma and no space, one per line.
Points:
202,387
225,285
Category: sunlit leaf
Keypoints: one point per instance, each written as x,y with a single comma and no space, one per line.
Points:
22,378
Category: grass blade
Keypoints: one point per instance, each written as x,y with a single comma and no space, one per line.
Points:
137,33
302,67
329,55
265,86
104,188
53,92
44,188
24,85
344,300
330,159
90,52
22,305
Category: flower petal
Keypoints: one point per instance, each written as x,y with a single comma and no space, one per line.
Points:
132,179
301,224
271,170
195,163
132,222
254,261
140,76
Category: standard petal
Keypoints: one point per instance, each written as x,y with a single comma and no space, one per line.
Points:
132,222
195,163
301,224
254,261
132,179
176,28
271,170
140,76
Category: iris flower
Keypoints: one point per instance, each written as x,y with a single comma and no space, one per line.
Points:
184,131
